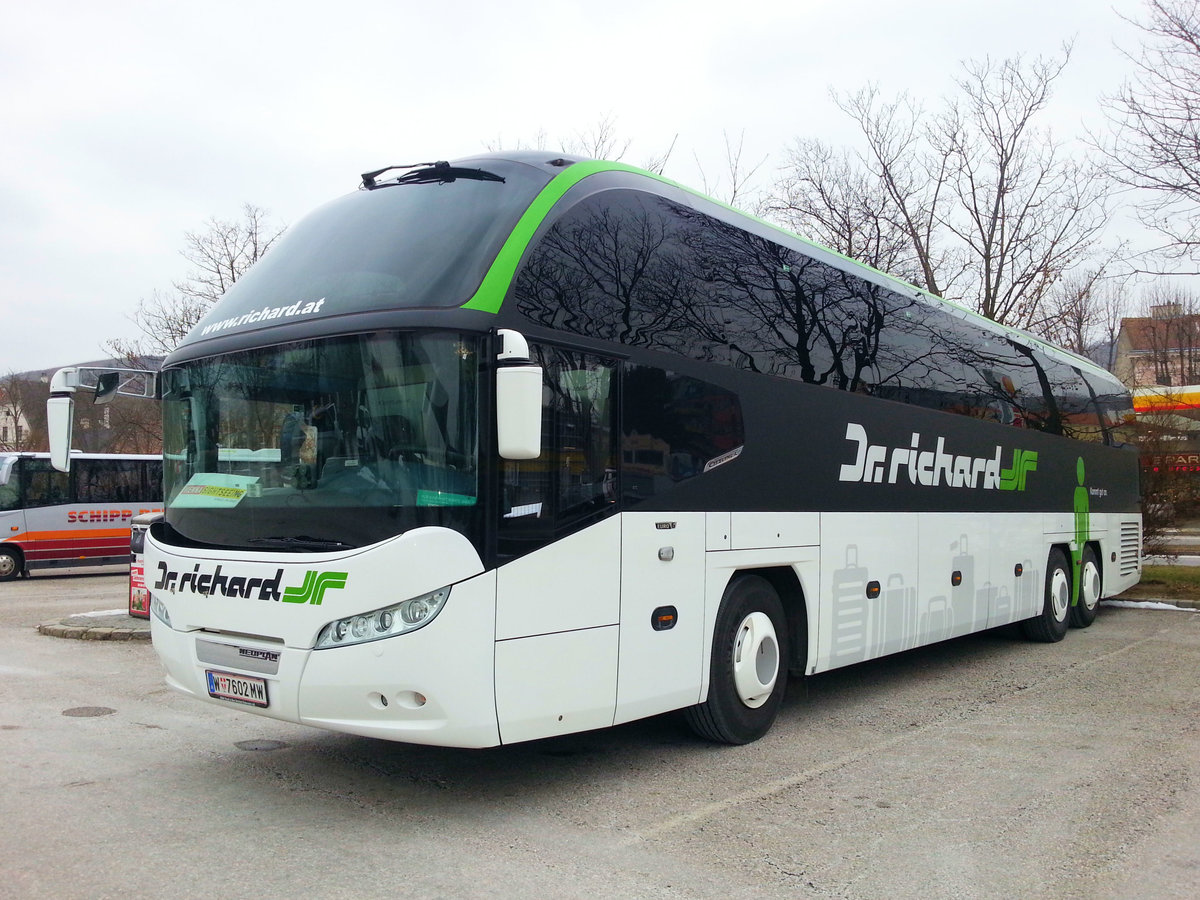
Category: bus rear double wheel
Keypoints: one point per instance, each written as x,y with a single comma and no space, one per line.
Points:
748,674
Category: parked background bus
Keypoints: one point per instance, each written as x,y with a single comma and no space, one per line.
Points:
520,446
50,518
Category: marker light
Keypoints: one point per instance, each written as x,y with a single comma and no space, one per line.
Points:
390,621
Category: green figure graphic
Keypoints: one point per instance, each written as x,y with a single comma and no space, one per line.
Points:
1082,530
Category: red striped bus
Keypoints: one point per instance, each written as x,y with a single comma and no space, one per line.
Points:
50,518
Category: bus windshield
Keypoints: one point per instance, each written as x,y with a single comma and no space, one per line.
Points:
326,444
400,246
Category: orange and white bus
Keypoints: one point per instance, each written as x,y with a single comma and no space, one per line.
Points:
50,518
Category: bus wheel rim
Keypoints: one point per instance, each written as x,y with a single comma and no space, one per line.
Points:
1090,585
1060,594
755,659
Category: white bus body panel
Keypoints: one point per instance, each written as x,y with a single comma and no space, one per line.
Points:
561,640
856,550
1015,540
663,556
570,584
555,684
951,543
763,530
557,614
448,661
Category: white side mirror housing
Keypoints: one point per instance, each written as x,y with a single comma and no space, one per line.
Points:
60,416
518,400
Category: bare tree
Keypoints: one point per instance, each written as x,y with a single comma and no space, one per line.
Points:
22,413
1155,148
827,196
1026,212
914,173
1084,310
991,209
738,174
219,255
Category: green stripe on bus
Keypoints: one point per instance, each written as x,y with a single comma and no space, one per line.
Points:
495,284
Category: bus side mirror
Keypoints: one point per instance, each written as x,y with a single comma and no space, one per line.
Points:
518,400
60,415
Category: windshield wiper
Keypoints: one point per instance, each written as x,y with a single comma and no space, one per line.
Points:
299,544
427,173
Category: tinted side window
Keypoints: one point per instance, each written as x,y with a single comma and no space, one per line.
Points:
620,266
110,480
573,482
639,270
43,484
673,428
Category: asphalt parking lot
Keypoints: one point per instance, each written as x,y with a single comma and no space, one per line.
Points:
983,767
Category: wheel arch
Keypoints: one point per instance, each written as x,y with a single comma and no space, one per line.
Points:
787,585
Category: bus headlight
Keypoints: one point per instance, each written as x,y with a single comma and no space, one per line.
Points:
159,610
382,623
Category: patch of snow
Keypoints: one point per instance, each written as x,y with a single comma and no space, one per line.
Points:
1146,604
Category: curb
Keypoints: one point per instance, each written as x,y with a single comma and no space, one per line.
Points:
98,628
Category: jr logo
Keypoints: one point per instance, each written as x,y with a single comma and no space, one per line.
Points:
314,587
1013,478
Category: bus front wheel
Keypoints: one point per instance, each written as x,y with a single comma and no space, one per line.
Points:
748,675
1083,613
10,564
1050,625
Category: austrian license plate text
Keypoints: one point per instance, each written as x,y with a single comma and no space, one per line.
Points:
240,688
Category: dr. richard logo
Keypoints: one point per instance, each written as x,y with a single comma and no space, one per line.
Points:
878,463
310,591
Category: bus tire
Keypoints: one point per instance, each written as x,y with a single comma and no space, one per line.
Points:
10,564
749,669
1091,585
1050,625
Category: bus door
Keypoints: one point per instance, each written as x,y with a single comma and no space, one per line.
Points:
662,612
559,583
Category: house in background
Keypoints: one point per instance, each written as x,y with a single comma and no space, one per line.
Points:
1162,349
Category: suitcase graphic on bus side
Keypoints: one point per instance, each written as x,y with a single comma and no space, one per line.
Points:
964,564
1027,591
849,612
1001,605
937,621
896,617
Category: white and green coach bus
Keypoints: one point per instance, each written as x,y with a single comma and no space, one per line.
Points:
518,446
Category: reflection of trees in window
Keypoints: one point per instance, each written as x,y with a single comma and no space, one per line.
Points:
641,271
615,269
785,313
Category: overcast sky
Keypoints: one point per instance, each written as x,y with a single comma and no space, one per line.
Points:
124,125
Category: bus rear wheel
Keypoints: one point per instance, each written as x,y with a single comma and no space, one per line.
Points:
1083,613
748,674
1050,625
10,564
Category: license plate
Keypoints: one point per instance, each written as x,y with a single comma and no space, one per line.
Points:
241,688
